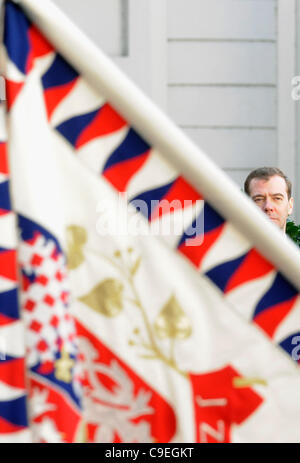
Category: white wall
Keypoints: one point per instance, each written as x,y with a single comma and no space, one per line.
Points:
222,79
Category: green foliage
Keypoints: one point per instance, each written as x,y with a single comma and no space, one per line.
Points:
293,231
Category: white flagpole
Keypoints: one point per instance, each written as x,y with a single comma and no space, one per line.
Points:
162,134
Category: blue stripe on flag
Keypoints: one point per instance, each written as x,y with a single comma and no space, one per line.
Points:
66,387
9,304
191,232
29,229
222,274
14,411
133,145
72,128
59,73
154,195
211,221
5,203
280,291
16,36
292,345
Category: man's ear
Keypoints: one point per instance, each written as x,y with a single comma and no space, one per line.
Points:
291,205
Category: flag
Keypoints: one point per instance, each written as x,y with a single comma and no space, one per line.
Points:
130,334
13,419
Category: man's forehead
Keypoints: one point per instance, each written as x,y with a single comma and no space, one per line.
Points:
274,184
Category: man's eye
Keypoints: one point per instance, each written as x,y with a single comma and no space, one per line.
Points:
257,200
278,198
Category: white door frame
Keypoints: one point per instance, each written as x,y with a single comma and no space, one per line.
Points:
286,106
146,62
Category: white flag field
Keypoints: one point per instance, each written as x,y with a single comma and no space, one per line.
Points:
143,297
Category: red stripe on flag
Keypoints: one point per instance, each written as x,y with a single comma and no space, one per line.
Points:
12,372
29,63
8,265
196,253
4,320
40,46
183,195
6,427
4,212
269,319
53,96
254,266
3,159
12,91
106,122
120,174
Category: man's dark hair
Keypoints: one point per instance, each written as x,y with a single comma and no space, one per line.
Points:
265,173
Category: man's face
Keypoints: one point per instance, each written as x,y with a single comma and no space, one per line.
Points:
271,196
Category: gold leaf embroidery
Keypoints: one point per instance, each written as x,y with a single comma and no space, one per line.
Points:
248,382
105,298
63,367
135,266
172,321
76,239
81,433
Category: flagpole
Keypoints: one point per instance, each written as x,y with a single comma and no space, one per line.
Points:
162,134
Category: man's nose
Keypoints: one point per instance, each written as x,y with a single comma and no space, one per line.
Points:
268,206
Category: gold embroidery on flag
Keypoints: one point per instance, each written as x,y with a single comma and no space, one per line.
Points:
172,322
105,298
108,299
81,433
76,239
63,367
248,382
